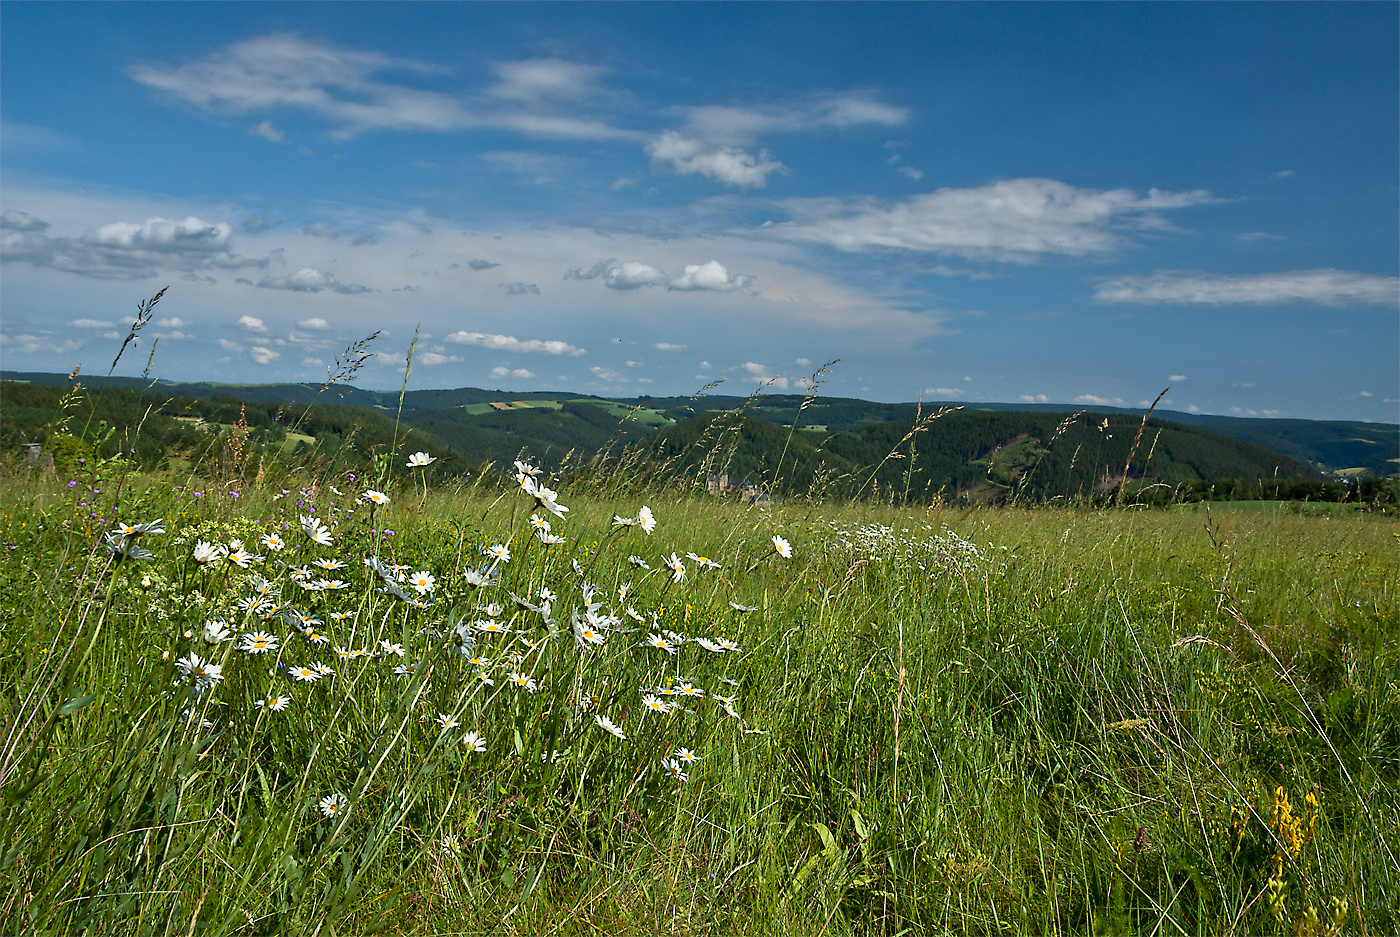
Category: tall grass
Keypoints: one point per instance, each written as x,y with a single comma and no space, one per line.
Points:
977,721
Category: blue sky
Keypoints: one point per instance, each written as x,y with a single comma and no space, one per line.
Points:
1041,202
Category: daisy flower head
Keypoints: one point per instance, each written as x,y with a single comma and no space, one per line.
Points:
447,722
499,552
646,519
660,643
405,670
474,741
422,581
539,523
490,626
726,644
548,499
273,542
324,670
480,578
374,497
258,642
620,521
704,561
709,645
525,469
387,648
743,608
677,568
202,672
274,703
656,704
606,724
547,595
420,459
205,553
332,805
329,563
687,689
216,631
782,547
524,681
476,660
549,540
304,674
484,678
638,562
686,755
674,769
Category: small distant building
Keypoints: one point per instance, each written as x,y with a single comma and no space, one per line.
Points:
725,485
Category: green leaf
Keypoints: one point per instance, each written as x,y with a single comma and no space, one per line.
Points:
75,704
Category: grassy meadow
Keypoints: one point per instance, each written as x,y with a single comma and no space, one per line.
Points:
346,706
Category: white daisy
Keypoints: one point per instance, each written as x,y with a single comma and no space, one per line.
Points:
603,722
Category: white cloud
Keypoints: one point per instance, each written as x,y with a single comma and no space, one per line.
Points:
608,374
44,341
1016,220
263,355
761,373
540,79
311,280
1100,401
91,324
312,363
321,230
315,324
1176,378
944,391
343,87
728,165
709,276
127,250
804,362
633,275
519,373
1034,398
911,172
267,132
252,324
227,345
20,221
668,346
512,344
1365,393
1324,287
481,264
433,358
728,124
174,322
517,288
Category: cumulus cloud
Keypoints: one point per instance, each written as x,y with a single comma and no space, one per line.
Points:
709,276
257,225
609,375
761,373
1325,287
1176,378
252,324
126,250
514,345
310,280
1034,398
1099,401
321,230
944,392
517,288
686,156
481,264
520,373
21,221
434,358
539,79
315,324
263,355
1016,220
91,324
668,346
634,274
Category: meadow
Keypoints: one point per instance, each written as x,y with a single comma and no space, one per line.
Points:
234,707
